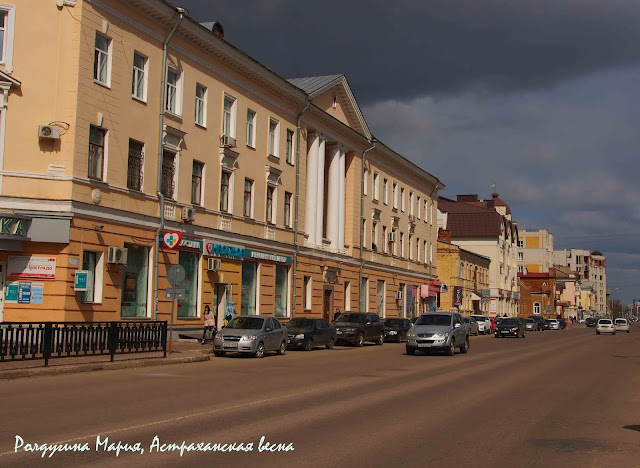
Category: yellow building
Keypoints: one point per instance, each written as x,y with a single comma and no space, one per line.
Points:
114,167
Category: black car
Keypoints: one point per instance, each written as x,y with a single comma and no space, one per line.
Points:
306,333
539,321
563,324
510,326
547,324
357,327
591,322
395,329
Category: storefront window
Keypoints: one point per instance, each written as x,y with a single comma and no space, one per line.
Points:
364,292
188,307
249,288
282,289
380,298
89,264
135,280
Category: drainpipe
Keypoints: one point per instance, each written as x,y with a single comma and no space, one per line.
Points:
364,155
182,12
296,221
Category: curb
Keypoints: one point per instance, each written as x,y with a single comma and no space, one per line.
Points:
75,369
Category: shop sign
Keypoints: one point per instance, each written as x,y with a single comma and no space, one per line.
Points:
32,267
174,240
267,256
457,295
222,250
424,291
11,294
24,292
81,280
13,227
37,293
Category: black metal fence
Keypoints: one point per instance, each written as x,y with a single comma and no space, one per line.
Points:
48,340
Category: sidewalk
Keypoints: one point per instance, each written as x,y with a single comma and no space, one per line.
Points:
183,351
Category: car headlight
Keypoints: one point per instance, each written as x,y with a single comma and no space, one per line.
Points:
299,336
393,332
514,329
440,336
249,337
411,334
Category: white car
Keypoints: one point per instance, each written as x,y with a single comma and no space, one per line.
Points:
605,326
621,324
554,324
484,323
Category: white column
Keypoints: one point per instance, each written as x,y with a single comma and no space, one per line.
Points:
311,190
320,192
333,197
341,201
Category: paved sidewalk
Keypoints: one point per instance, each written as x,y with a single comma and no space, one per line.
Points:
183,351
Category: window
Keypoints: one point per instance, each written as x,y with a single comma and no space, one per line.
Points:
290,146
536,308
92,262
287,209
391,245
251,128
347,295
376,188
168,187
380,298
7,22
426,211
201,105
411,203
3,22
248,198
135,282
274,129
521,244
364,295
394,194
410,253
135,164
402,199
418,250
364,232
374,236
384,239
139,79
418,205
365,182
188,306
520,256
431,212
425,251
101,65
173,102
384,191
307,292
270,216
229,117
402,244
431,253
225,179
97,137
196,183
520,269
282,291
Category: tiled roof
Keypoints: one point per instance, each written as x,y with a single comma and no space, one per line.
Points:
313,84
470,219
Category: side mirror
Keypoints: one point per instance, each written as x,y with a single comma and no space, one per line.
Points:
457,325
269,329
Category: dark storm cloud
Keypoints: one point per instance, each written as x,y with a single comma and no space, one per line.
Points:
403,49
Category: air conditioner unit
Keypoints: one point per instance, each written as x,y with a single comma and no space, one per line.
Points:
50,132
188,214
392,236
214,264
227,142
117,255
399,295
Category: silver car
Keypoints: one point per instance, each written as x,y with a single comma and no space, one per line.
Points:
440,330
251,334
484,323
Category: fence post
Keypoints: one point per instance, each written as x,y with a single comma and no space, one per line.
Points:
113,339
47,342
164,337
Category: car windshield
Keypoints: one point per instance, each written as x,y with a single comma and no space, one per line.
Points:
246,323
605,322
300,323
356,318
509,321
393,322
529,320
621,321
479,317
434,319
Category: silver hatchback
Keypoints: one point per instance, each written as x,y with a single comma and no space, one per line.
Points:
440,330
251,334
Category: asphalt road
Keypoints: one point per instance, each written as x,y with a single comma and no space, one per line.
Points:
555,398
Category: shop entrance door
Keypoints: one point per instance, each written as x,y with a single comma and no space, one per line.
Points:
220,303
327,303
3,267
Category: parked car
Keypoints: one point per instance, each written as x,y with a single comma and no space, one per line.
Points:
306,333
440,331
530,324
251,334
472,324
554,324
605,326
563,323
395,329
510,326
621,324
357,327
591,322
484,323
539,319
413,319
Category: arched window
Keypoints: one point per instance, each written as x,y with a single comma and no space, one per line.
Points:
536,308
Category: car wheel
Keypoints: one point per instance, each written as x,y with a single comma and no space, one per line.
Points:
411,351
283,348
614,333
380,339
627,331
452,349
331,343
219,353
524,334
597,333
308,345
359,340
259,350
464,349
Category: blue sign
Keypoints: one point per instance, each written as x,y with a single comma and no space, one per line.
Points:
81,282
24,292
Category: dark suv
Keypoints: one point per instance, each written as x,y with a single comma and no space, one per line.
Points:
357,327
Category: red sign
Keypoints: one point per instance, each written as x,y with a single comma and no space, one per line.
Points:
171,239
